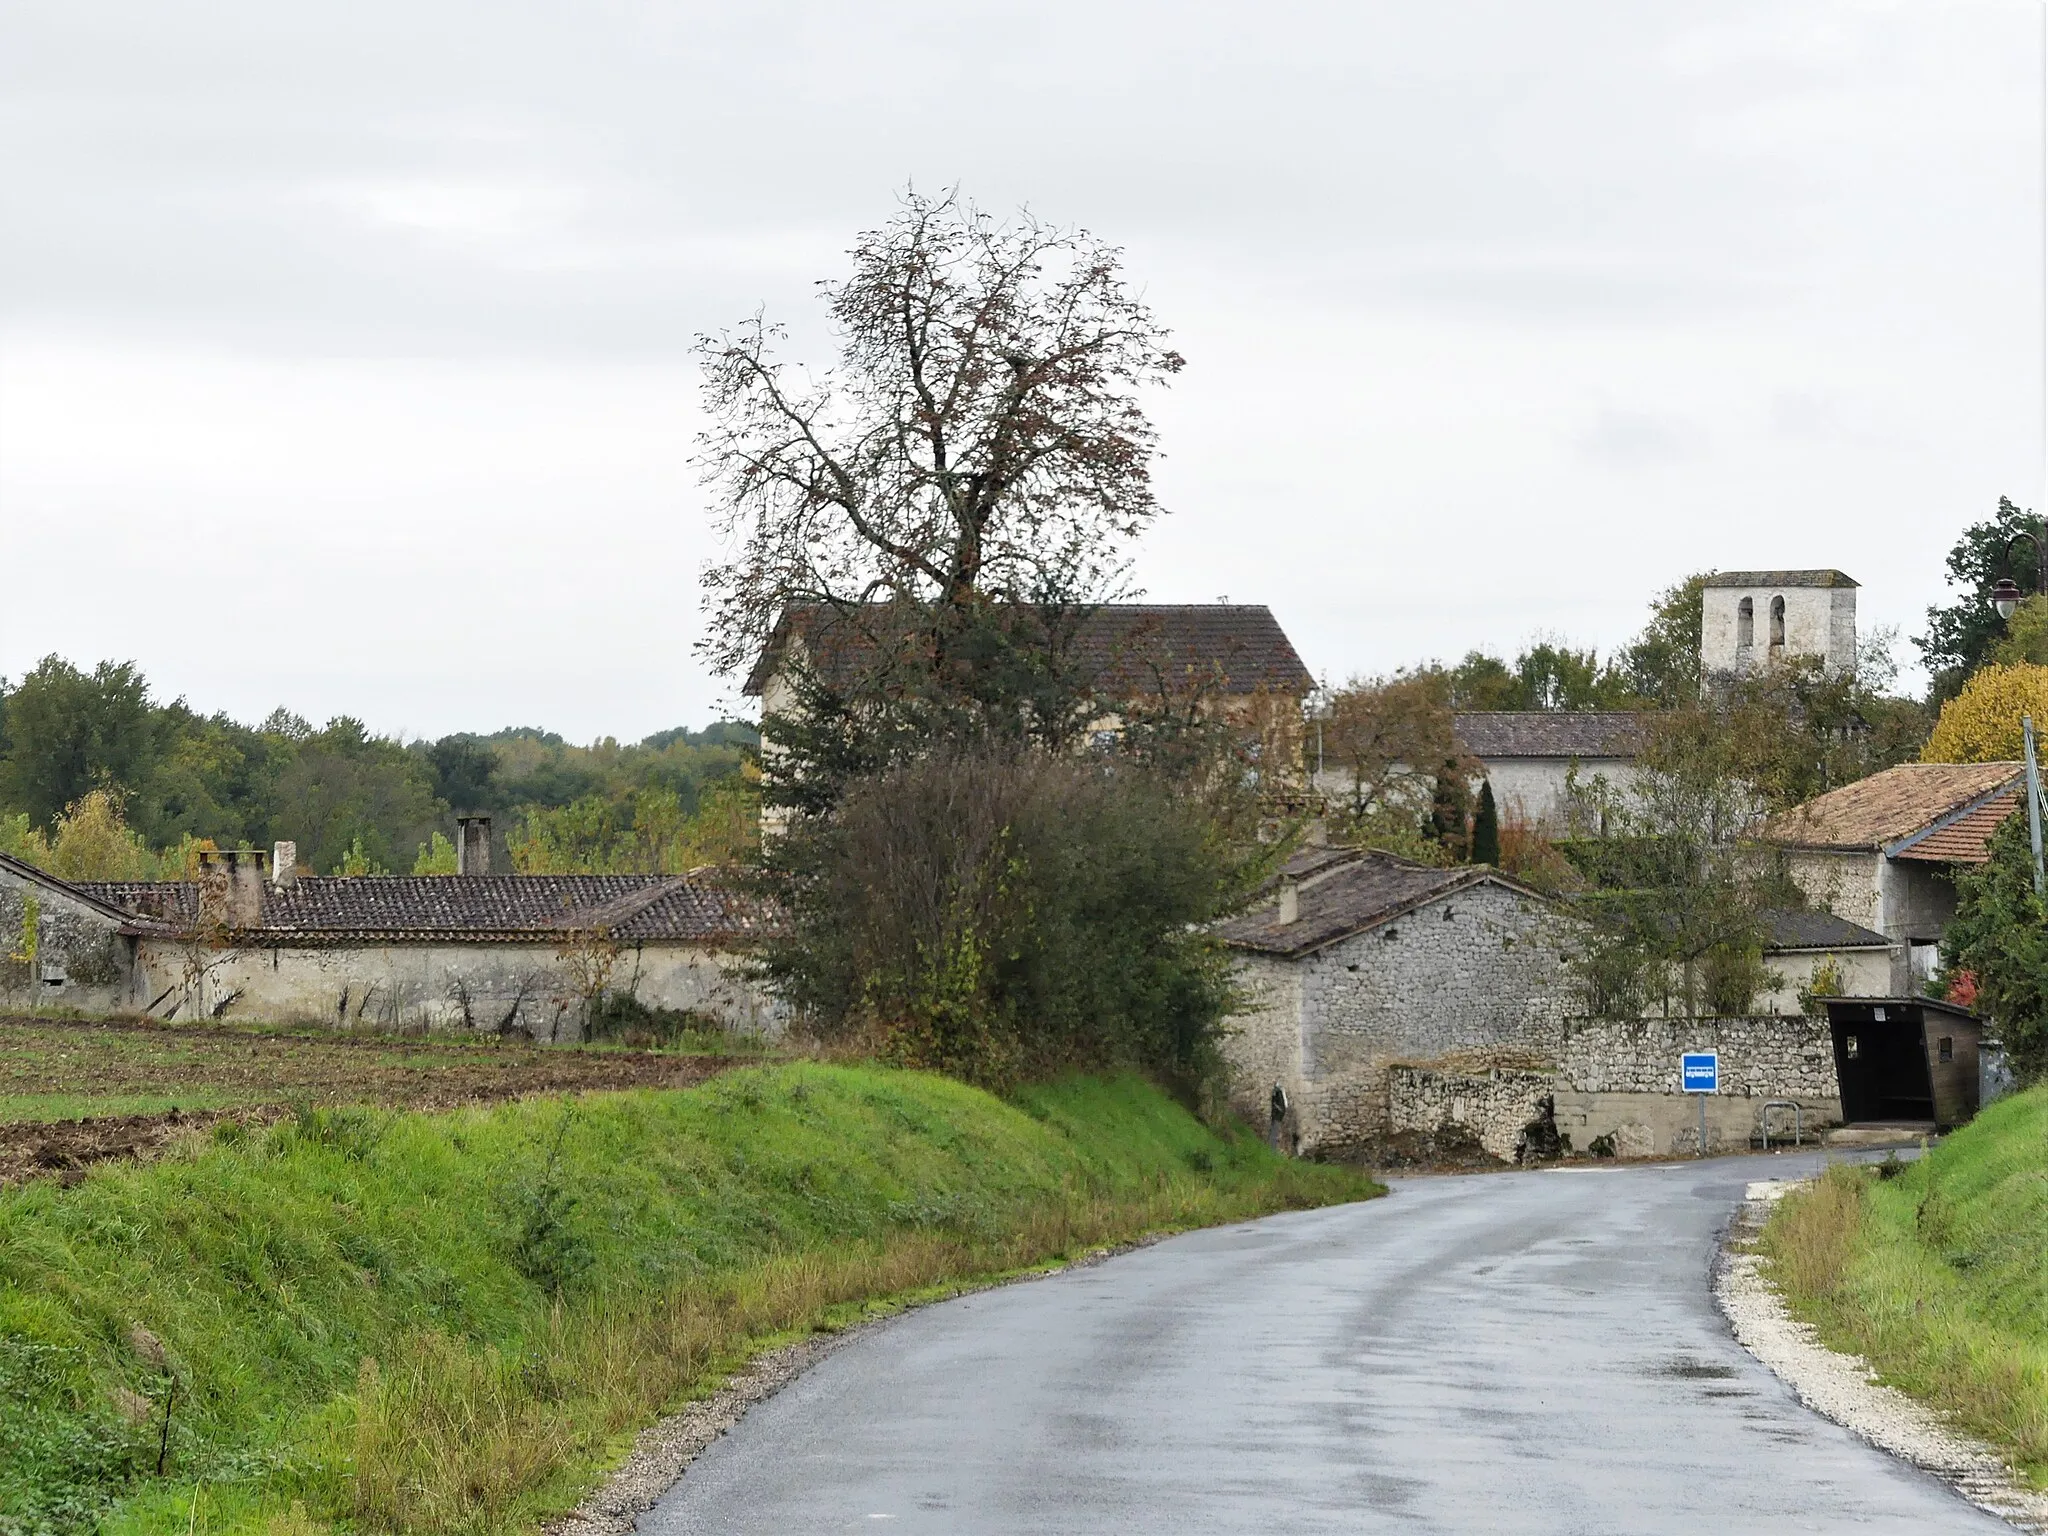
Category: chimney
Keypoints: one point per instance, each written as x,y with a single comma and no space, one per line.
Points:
473,845
284,864
1290,902
231,887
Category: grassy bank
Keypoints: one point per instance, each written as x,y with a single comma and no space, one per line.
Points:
451,1322
1938,1273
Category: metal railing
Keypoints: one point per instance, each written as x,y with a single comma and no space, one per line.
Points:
1764,1120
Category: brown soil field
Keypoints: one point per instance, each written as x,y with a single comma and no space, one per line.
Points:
73,1092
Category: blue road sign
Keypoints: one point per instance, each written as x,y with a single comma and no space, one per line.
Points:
1700,1072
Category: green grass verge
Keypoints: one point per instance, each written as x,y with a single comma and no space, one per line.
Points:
1938,1274
391,1321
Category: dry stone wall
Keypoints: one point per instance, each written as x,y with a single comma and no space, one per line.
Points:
1494,1107
1616,1081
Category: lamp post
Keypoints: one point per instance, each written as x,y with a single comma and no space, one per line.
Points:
1319,710
2005,592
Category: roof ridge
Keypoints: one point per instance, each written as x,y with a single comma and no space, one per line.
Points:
623,909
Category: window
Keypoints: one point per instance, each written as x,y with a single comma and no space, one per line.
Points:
1745,624
1945,1048
1777,623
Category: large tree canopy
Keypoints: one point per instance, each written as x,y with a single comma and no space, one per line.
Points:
981,436
1962,634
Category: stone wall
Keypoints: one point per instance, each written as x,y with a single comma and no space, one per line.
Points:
1618,1079
70,956
1770,1058
525,989
1494,1105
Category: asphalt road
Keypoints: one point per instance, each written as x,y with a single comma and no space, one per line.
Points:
1532,1352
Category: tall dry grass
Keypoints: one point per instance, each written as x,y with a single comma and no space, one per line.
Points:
1874,1266
452,1437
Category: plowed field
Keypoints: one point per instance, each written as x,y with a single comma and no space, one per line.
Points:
75,1092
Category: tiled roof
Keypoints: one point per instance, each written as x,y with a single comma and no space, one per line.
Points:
1881,810
469,908
1351,899
1120,648
87,895
1964,837
1819,930
1549,733
1779,579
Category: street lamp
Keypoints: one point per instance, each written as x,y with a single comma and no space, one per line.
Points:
2005,592
1319,709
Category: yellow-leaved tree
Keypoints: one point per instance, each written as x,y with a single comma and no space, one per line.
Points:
1982,723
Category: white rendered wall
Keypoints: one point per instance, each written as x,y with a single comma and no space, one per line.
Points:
485,988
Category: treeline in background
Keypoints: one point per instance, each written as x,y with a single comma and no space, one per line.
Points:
99,781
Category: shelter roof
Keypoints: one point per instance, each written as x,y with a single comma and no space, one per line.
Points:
1779,579
1894,809
1120,648
1370,890
1787,929
1581,733
630,909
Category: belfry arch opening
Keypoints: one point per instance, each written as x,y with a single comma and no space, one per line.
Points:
1745,624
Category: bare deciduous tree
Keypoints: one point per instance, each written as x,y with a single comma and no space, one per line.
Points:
981,437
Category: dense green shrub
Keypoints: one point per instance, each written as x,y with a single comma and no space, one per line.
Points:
997,914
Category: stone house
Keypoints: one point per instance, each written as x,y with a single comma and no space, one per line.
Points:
1229,659
1881,853
62,945
1360,961
498,954
1534,759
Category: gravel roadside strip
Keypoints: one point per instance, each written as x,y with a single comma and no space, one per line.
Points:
1845,1389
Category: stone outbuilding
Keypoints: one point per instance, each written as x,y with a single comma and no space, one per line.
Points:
498,954
1535,759
1360,961
1824,956
1881,853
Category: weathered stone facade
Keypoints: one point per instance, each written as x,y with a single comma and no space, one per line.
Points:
1480,966
58,949
538,991
488,965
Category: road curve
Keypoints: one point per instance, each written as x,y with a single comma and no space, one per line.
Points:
1517,1352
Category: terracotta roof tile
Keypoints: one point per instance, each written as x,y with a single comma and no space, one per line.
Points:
1967,838
1124,648
1875,812
632,908
1549,733
1352,898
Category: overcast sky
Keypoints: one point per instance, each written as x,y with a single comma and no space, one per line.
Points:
343,349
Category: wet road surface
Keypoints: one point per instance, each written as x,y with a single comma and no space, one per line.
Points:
1532,1352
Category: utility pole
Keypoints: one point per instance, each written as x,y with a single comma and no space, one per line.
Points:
2034,804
